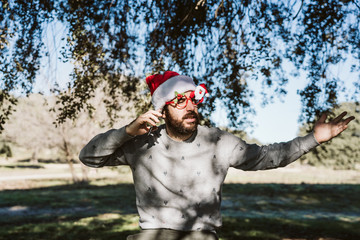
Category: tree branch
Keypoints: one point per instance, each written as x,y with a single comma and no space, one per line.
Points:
302,3
356,4
218,8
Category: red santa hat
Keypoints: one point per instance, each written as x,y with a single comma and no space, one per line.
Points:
164,86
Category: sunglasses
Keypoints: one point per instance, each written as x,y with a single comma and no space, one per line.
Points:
181,101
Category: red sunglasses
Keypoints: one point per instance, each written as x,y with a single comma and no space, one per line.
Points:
181,101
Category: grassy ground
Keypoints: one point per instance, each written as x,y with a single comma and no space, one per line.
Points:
251,211
105,209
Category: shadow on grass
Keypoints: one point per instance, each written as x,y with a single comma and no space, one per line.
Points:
250,211
91,228
277,228
40,160
284,197
33,166
119,198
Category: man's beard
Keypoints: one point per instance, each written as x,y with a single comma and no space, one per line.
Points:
179,126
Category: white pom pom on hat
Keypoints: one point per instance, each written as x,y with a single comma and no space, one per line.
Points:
164,86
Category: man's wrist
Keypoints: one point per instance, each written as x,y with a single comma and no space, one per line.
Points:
316,139
128,131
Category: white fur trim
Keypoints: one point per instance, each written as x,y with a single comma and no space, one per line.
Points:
166,91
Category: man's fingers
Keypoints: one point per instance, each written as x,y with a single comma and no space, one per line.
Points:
347,120
338,118
144,122
156,113
154,118
322,118
150,121
150,115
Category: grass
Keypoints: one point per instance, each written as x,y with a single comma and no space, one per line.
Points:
106,210
298,211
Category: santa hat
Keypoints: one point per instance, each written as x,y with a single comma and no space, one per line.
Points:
164,86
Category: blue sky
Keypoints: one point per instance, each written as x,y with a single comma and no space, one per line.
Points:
278,121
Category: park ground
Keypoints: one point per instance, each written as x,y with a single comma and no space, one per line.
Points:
40,201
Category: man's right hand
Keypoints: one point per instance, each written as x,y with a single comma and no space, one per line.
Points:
143,123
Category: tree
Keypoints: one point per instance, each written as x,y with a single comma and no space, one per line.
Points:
5,150
343,152
216,42
32,127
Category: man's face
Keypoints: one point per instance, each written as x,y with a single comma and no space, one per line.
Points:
182,121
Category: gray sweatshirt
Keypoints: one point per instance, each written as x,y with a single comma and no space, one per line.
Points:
178,184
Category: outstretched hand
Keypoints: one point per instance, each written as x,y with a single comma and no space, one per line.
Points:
143,123
326,131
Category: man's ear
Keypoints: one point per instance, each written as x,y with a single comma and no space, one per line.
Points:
163,112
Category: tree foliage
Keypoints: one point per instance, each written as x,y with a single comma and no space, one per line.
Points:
344,151
5,150
224,44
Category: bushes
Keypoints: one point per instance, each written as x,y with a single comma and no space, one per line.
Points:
6,151
342,152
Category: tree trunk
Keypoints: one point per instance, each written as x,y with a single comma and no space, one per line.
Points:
69,161
34,157
85,171
72,169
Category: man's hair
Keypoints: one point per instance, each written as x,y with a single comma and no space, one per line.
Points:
165,109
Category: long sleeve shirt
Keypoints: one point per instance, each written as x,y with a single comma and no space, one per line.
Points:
178,184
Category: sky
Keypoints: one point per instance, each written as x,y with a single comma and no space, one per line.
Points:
278,121
275,122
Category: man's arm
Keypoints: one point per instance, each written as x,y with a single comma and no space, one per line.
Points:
105,149
254,157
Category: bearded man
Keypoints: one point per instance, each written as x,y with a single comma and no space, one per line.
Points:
179,167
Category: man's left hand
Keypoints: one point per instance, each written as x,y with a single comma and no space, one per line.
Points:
324,132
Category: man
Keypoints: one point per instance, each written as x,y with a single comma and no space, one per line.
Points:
179,168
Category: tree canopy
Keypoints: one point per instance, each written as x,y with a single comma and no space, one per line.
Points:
223,43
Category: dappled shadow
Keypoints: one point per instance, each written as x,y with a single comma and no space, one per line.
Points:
65,201
250,211
292,211
278,228
335,198
63,195
75,211
71,229
32,166
40,160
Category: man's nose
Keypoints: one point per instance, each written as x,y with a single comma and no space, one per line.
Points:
190,106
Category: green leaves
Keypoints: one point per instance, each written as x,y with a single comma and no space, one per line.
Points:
223,44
